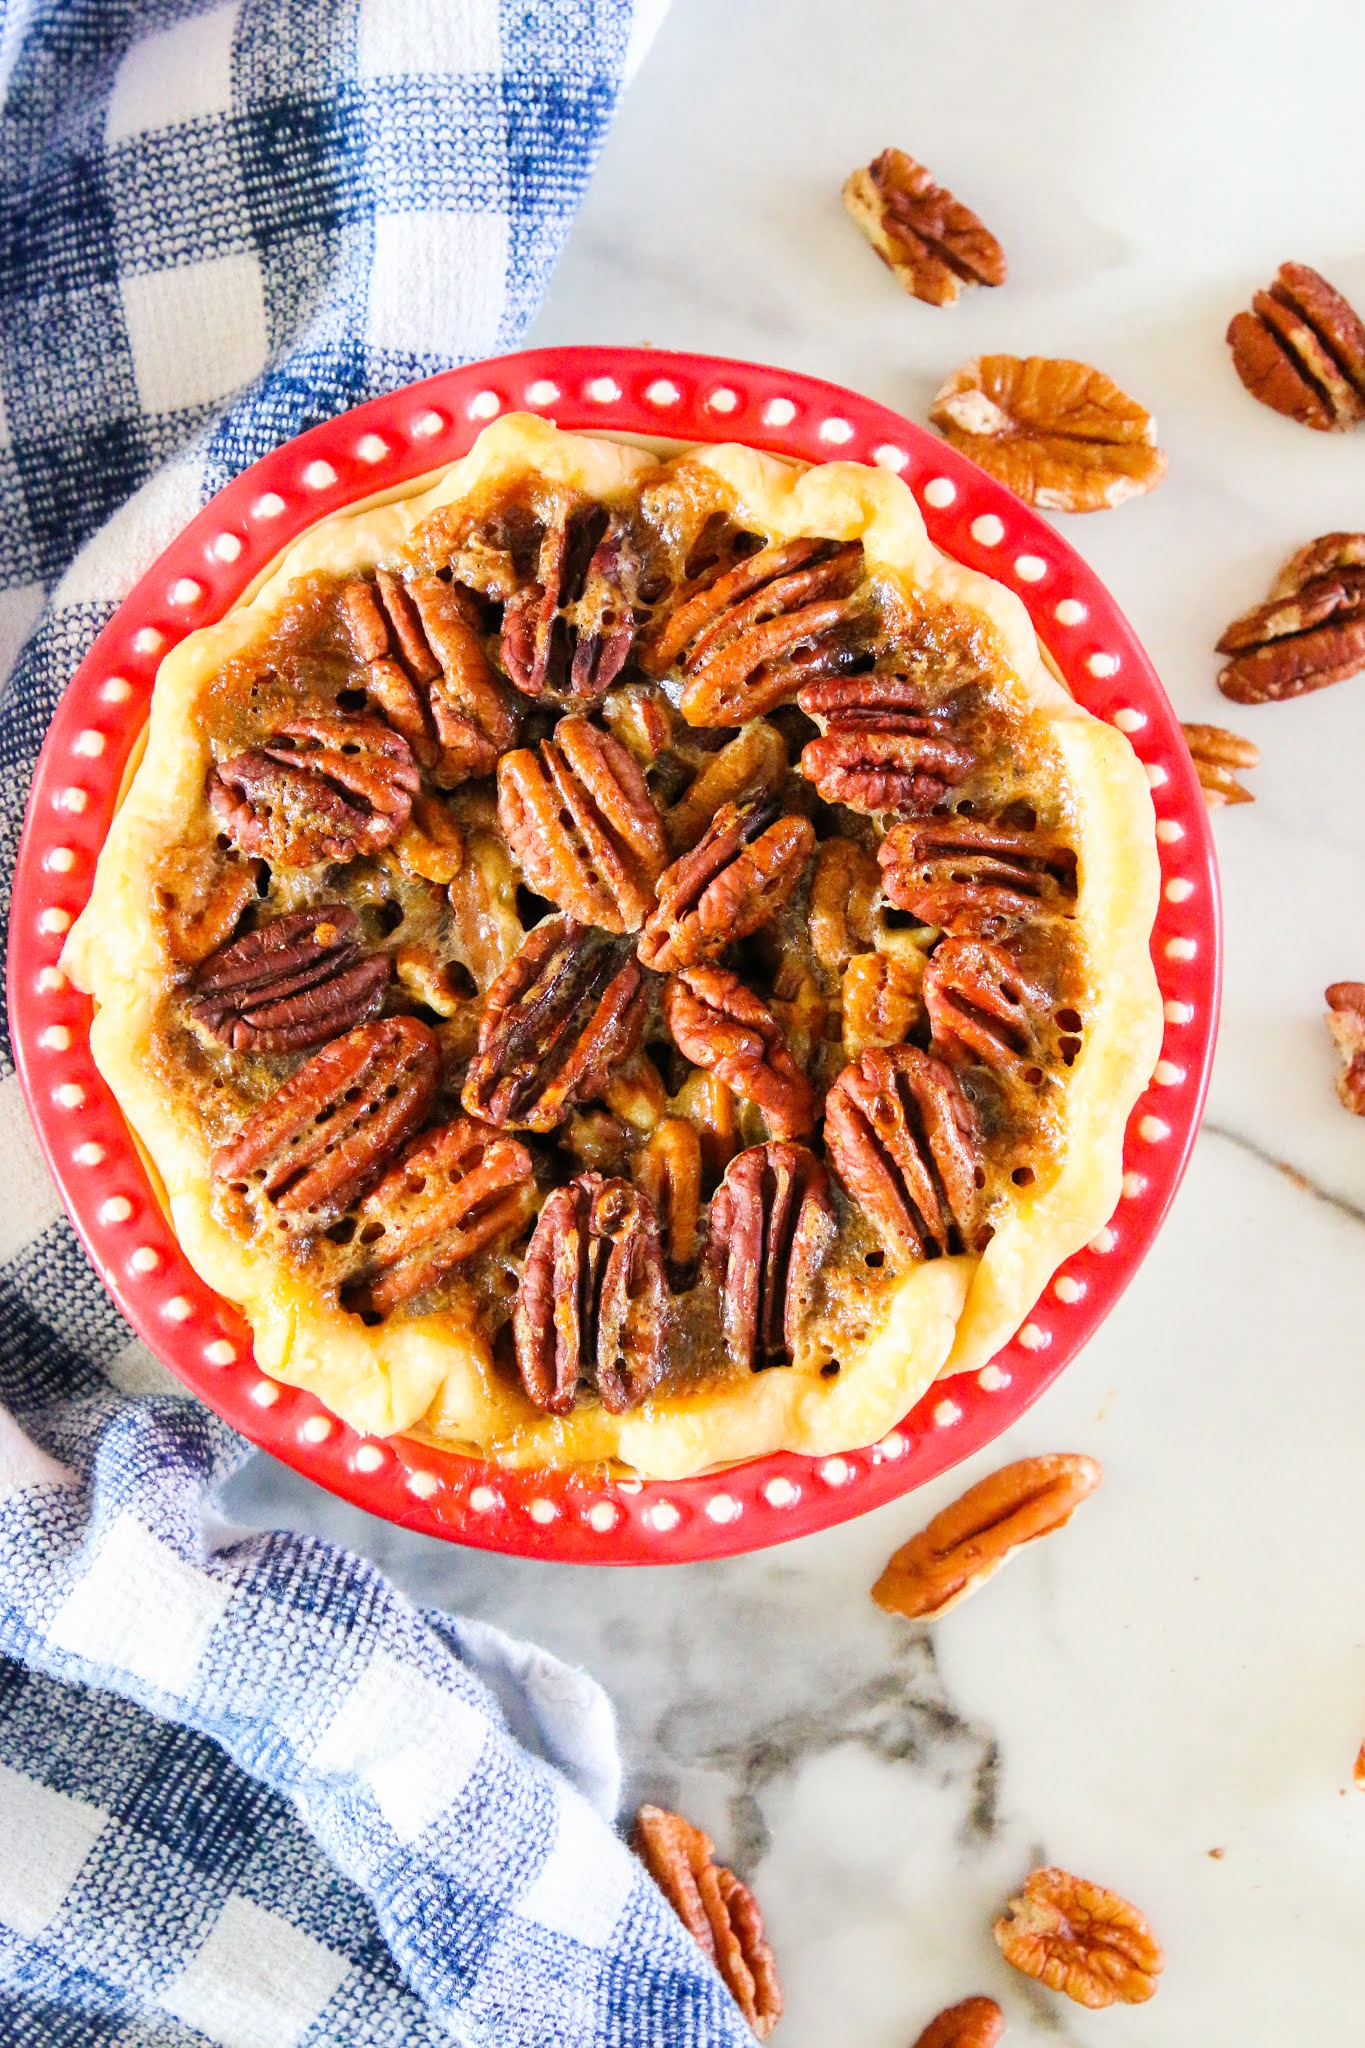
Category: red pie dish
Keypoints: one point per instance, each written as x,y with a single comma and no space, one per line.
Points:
826,848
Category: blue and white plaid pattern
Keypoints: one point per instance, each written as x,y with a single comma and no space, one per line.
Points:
248,1795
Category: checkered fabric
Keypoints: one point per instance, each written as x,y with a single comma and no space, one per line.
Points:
248,1795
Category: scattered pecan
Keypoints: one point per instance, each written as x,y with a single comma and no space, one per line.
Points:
967,1543
734,880
333,1127
843,889
578,816
1301,351
718,1023
294,982
1308,633
882,747
428,673
752,764
1216,753
567,635
984,1008
1076,1937
902,1138
932,244
882,999
719,1912
557,1021
590,1307
453,1191
1346,1023
667,1170
201,892
772,1222
748,641
975,875
1061,435
324,788
974,2023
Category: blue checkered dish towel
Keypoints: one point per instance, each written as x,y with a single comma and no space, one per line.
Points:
249,1795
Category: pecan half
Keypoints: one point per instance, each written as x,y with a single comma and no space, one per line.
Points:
752,764
983,1008
734,880
428,673
450,1193
201,892
1060,435
882,747
557,1021
1308,633
902,1138
1076,1937
967,1543
567,635
719,1912
667,1170
749,640
333,1127
882,999
578,815
974,2023
843,889
772,1222
1216,754
324,788
973,875
718,1023
932,244
590,1308
1346,1023
294,982
1301,351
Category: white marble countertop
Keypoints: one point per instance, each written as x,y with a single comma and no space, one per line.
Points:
1183,1670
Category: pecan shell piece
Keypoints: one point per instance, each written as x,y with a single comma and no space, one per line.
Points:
1310,631
967,1543
718,1911
567,1011
772,1222
973,2023
719,1024
1078,1938
932,244
578,815
976,876
667,1171
322,1138
901,1136
735,879
984,1009
751,765
1218,756
322,788
200,893
567,635
772,628
450,1193
1301,351
591,1303
292,983
1060,435
882,748
1346,1025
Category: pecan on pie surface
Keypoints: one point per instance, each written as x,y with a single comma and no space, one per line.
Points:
626,960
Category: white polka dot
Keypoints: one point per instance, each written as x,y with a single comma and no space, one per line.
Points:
723,1507
543,1511
1030,568
1168,831
88,1154
987,530
116,1210
946,1413
485,405
939,491
319,475
1104,1241
723,399
73,799
90,743
423,1484
663,391
483,1500
1179,1013
1129,720
542,392
835,430
836,1471
315,1429
1032,1338
779,412
370,448
888,456
992,1378
147,640
70,1095
1068,1290
369,1458
1156,774
663,1515
228,546
57,1038
51,980
186,591
892,1445
1102,664
265,1393
1179,889
1167,1075
603,1517
179,1308
220,1352
117,690
54,920
1069,611
61,860
270,506
1134,1186
1152,1130
145,1259
1181,949
780,1493
429,424
606,391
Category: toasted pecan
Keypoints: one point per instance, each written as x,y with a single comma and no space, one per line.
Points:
966,1544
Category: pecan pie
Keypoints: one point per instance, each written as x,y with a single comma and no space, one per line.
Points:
626,959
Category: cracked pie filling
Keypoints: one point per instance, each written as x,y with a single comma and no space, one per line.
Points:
621,959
